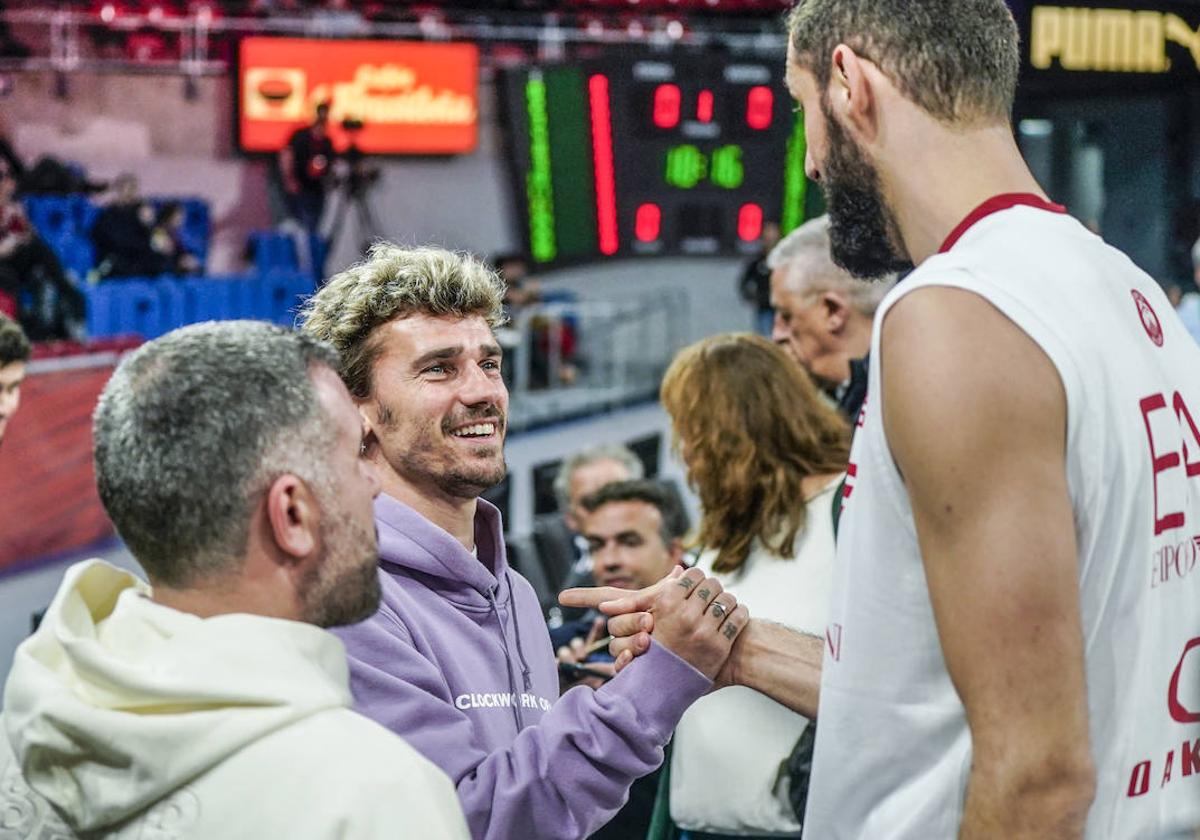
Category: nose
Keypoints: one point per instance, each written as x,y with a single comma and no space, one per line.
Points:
479,387
810,166
779,331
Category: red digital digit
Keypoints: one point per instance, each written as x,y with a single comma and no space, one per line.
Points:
667,101
760,107
648,222
750,222
704,106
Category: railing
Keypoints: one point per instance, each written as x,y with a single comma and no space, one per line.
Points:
569,360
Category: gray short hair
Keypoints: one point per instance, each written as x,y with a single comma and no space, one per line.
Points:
390,283
809,268
600,452
192,429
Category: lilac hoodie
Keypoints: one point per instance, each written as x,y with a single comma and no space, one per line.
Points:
457,661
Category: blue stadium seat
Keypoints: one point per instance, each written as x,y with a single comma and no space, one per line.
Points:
279,295
51,215
273,251
173,294
138,308
101,309
76,254
224,297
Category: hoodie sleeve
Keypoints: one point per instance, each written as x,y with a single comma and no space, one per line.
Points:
562,778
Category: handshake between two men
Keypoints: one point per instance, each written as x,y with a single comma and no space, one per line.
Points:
694,617
689,614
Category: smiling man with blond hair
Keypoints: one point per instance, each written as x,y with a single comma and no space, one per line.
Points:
458,659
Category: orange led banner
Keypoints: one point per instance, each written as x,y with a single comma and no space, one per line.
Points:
412,98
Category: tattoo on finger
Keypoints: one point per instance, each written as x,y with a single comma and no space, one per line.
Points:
719,610
703,594
686,583
730,630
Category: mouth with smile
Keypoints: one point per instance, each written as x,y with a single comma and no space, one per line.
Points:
485,430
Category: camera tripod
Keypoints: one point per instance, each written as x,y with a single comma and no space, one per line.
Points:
354,193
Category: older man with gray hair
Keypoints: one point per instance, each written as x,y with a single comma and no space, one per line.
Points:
823,314
586,471
211,700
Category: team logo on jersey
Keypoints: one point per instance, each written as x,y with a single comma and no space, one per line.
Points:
1149,318
1180,712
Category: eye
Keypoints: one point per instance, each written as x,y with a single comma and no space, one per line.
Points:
491,364
595,545
436,369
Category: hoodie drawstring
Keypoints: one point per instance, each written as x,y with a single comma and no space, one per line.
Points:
525,673
512,680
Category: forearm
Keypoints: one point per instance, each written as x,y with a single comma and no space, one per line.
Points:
779,662
1046,799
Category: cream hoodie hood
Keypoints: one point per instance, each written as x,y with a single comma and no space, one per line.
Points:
117,701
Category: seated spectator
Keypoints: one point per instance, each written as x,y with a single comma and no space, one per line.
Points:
167,244
121,234
49,306
210,702
634,531
559,543
766,454
14,353
586,471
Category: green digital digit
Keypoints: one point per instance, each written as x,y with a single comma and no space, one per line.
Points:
686,166
727,169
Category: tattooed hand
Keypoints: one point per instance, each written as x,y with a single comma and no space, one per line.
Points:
687,613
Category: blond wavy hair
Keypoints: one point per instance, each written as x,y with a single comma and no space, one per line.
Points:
751,426
393,282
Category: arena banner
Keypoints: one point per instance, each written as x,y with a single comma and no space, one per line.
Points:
48,499
408,98
1090,44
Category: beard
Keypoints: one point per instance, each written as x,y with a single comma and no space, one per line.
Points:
457,477
343,587
864,238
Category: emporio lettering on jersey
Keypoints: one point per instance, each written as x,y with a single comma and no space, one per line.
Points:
893,749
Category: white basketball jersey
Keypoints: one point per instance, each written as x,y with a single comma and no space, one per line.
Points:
893,751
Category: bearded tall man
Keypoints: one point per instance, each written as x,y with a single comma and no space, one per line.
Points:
1027,458
1014,640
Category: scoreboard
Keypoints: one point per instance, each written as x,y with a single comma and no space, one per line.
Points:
643,154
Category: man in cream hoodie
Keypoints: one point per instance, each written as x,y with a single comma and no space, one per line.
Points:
210,702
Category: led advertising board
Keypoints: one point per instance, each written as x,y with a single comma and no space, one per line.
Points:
411,98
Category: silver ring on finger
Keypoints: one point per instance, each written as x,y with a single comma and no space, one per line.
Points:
719,609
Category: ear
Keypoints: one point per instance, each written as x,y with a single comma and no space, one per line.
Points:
835,310
294,515
369,439
852,91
